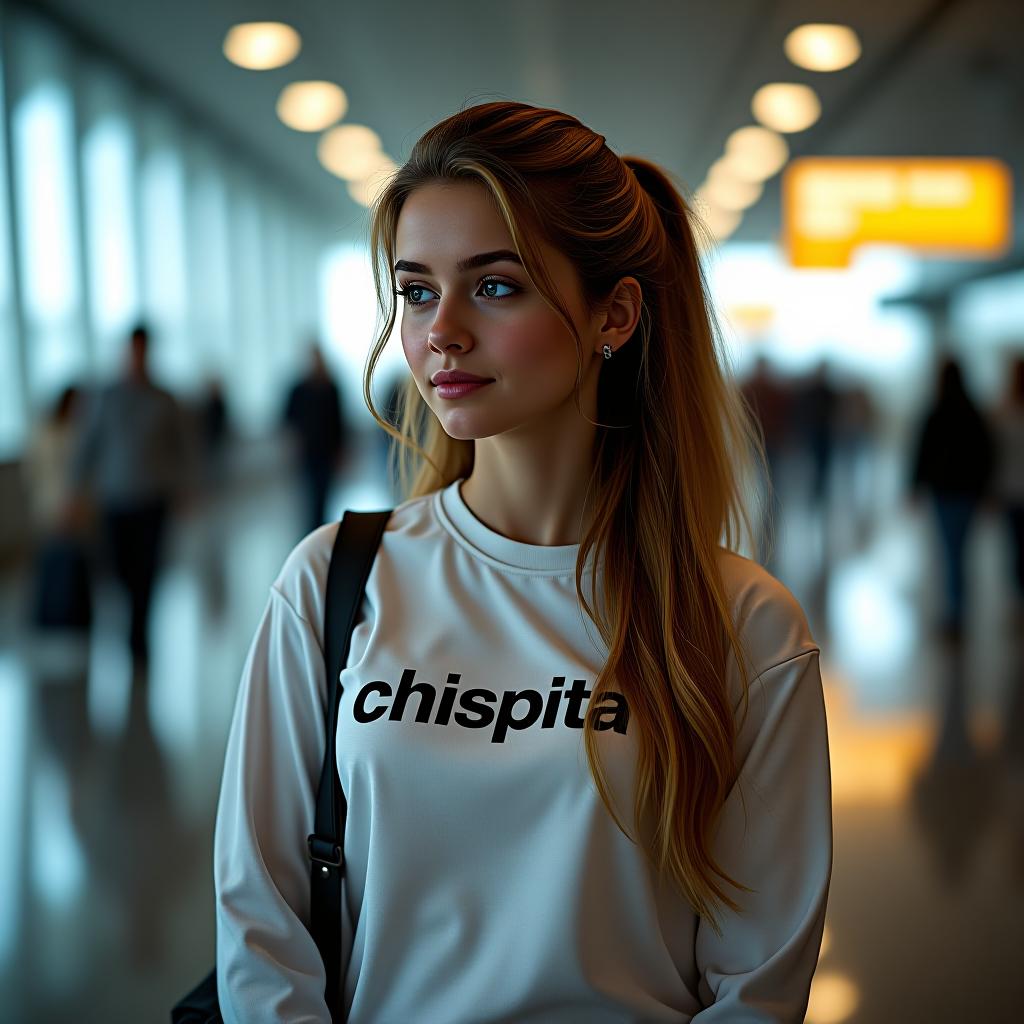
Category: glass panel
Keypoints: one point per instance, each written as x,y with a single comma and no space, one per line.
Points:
209,268
48,237
284,342
13,424
258,398
986,320
350,323
107,182
162,200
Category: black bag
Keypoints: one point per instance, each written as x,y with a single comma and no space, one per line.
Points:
63,585
351,560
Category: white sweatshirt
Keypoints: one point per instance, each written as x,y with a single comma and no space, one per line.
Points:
486,881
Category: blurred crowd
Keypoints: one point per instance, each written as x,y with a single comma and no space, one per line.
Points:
962,459
108,468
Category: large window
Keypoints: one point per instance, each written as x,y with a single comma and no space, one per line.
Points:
352,321
286,341
162,208
42,134
124,210
209,263
987,321
108,165
257,395
12,399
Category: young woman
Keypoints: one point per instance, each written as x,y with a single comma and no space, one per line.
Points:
583,743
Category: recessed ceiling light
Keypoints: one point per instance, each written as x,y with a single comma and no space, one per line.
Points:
756,153
724,167
260,45
366,190
311,106
729,193
720,223
786,106
820,47
350,151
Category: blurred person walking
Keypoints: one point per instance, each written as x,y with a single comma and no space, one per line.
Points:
313,413
814,413
212,416
134,457
953,460
47,463
214,468
1008,488
62,598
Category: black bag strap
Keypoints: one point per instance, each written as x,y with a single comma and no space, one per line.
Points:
355,548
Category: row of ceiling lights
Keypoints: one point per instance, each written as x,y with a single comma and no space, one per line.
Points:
735,181
755,153
352,152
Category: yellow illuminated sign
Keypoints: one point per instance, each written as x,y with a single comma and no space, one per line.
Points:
934,205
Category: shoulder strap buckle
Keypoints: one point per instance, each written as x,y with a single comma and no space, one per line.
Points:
324,851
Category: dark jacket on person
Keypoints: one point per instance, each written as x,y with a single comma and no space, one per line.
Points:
955,452
313,411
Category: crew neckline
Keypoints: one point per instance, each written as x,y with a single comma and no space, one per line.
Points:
495,548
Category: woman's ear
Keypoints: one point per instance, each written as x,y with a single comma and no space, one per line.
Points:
620,314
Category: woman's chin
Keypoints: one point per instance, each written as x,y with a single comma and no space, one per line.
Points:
463,428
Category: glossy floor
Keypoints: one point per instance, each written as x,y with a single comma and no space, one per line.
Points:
108,786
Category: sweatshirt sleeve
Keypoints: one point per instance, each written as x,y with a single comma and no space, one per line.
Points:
774,836
268,966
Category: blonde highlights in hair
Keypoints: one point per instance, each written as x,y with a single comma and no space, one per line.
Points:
675,445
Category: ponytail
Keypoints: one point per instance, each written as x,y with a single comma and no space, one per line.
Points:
680,218
671,207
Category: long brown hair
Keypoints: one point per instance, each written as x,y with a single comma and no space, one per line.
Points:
674,450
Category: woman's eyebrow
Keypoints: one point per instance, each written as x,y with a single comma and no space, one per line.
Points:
470,263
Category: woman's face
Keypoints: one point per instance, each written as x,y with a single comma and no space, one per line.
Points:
468,305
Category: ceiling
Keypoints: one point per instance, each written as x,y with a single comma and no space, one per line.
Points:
666,79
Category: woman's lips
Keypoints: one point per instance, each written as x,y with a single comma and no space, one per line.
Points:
456,389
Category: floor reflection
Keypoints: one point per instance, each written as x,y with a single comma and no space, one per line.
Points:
109,777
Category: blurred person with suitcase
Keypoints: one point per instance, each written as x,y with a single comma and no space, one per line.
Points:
62,598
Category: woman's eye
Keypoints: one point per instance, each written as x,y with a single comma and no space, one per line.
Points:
419,295
414,294
487,287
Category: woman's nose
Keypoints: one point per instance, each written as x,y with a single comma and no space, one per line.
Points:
448,331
